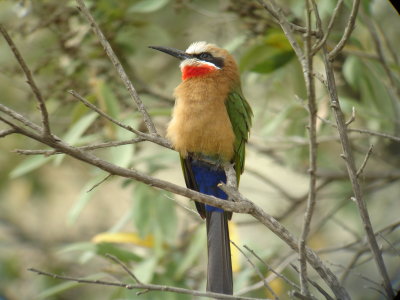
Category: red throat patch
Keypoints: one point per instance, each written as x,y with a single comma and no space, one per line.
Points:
193,71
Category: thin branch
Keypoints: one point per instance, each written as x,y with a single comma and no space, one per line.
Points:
314,284
141,286
364,163
277,13
115,259
330,26
259,274
347,31
397,251
287,280
312,150
150,137
84,148
376,133
120,70
31,82
99,183
353,116
4,133
13,114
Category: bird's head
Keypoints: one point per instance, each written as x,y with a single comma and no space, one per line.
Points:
201,58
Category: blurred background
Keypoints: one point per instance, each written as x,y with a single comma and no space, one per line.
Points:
54,216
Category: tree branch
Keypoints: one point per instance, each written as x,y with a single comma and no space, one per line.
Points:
4,133
347,31
349,158
143,286
119,68
308,71
31,82
150,137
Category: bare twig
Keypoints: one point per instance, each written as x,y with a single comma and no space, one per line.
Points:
376,133
330,26
4,133
150,137
121,72
312,150
31,82
291,283
13,114
353,116
100,182
314,284
141,286
115,259
364,163
259,274
347,31
85,148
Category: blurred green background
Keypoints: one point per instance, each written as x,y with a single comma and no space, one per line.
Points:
52,219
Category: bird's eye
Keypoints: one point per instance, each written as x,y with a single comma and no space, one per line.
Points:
205,55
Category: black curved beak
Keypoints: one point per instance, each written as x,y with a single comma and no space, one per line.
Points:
181,55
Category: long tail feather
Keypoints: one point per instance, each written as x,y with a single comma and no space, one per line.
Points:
219,277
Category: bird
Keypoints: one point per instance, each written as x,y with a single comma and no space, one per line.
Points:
210,126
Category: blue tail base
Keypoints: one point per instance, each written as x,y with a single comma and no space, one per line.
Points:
208,177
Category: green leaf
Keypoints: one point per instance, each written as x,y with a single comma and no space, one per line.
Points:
143,202
83,199
196,248
268,55
352,71
59,288
110,101
153,213
145,270
28,165
76,131
147,6
123,255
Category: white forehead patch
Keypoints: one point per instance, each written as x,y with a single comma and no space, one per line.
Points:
197,47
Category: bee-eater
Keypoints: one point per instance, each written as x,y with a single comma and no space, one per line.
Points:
209,127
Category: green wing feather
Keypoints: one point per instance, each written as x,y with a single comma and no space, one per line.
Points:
240,115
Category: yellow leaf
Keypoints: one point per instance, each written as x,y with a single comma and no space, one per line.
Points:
235,254
277,286
124,237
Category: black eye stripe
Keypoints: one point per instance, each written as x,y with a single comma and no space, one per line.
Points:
206,56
